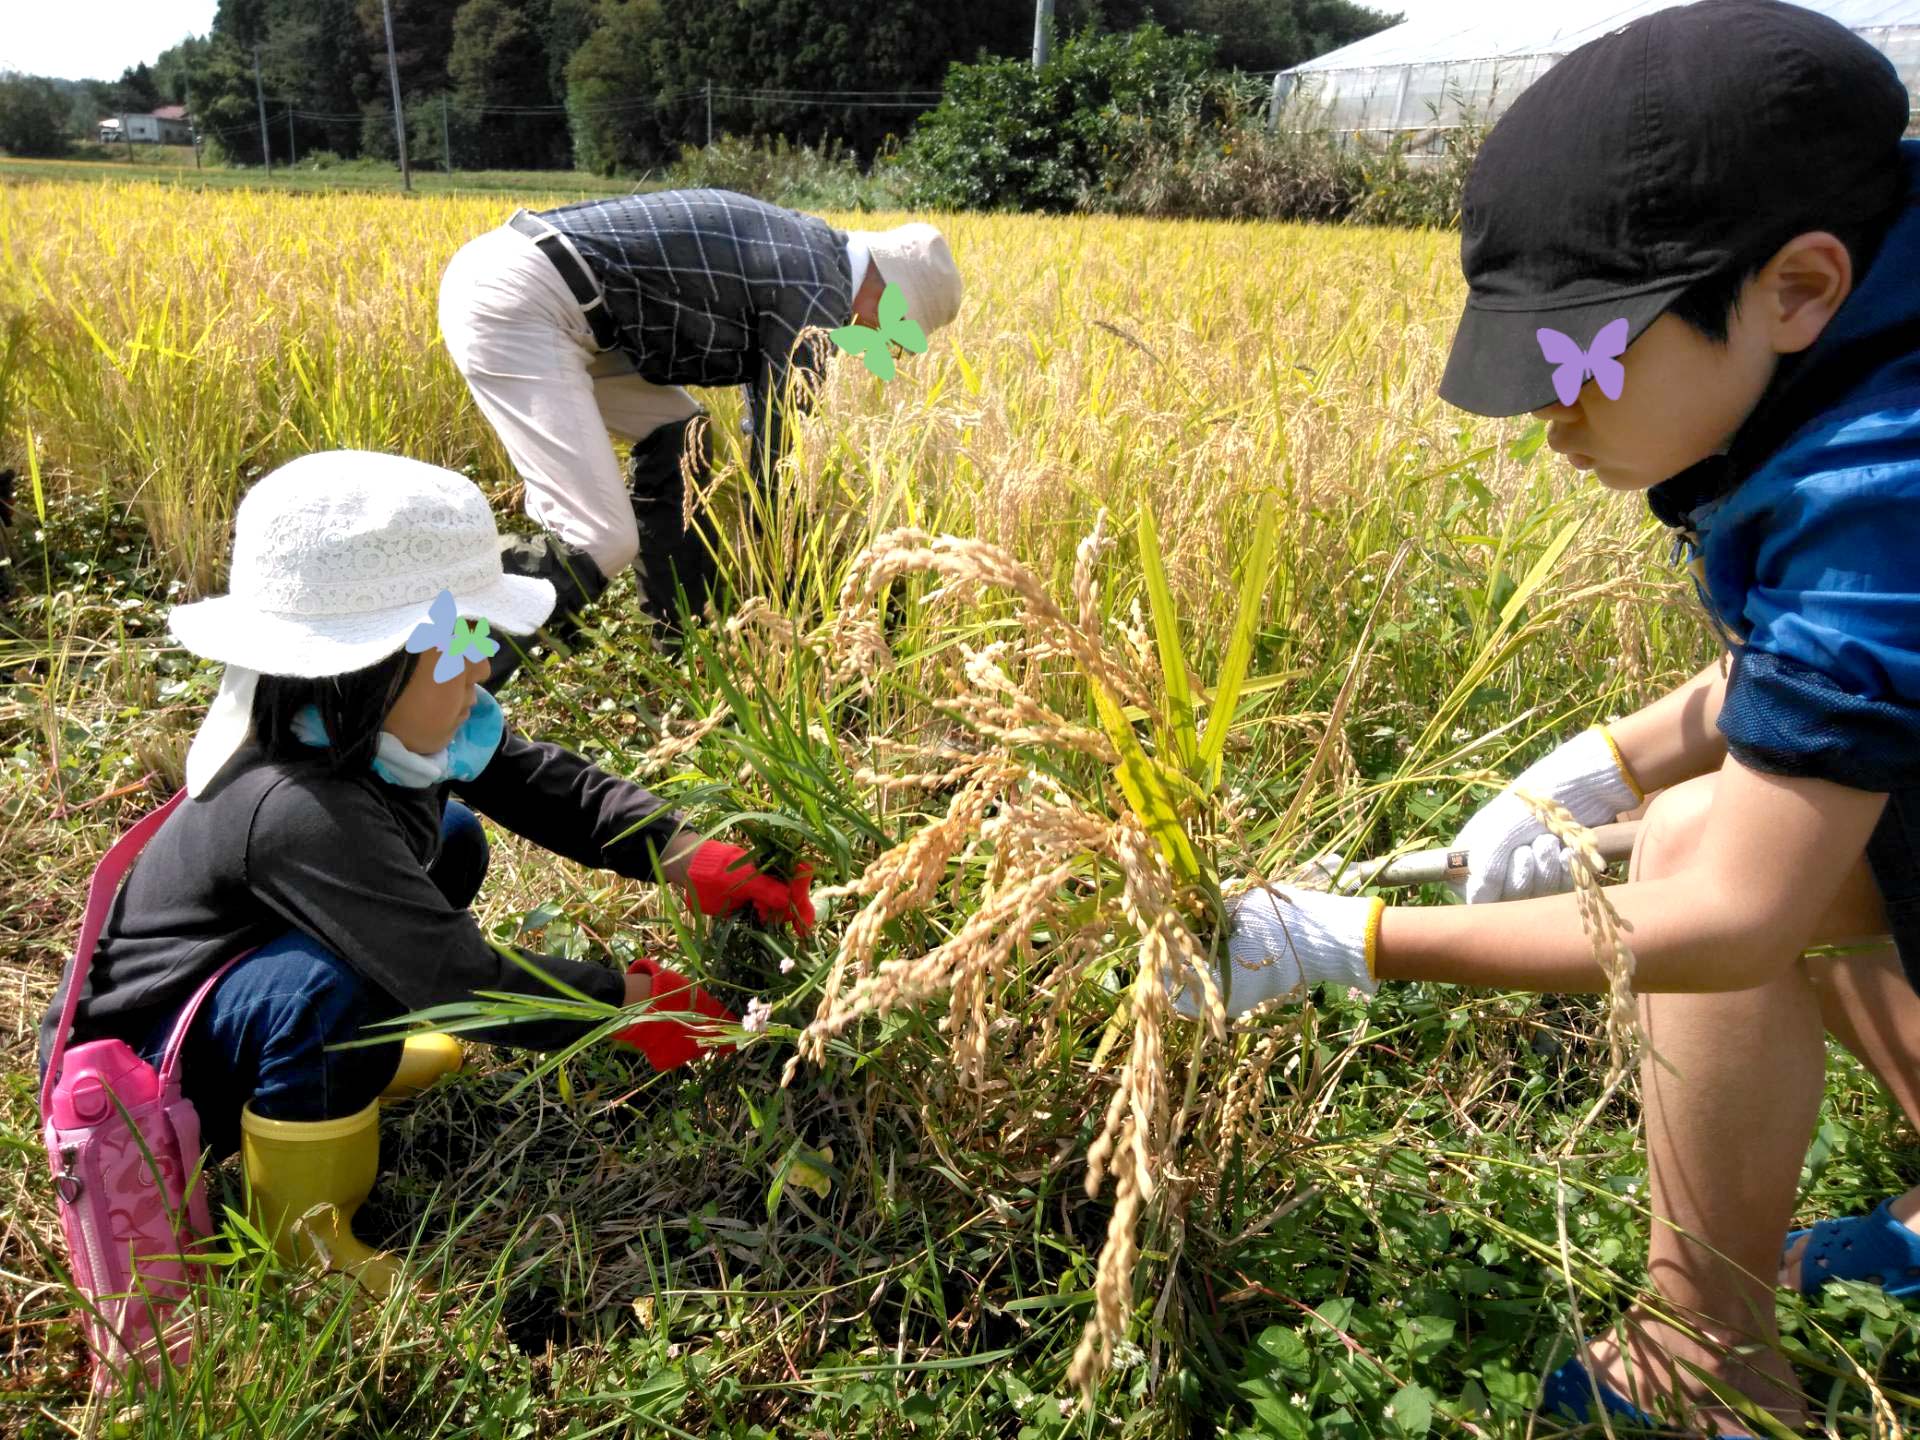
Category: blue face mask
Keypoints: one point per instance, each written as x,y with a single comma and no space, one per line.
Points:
466,755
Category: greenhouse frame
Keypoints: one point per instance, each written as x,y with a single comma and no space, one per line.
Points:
1463,63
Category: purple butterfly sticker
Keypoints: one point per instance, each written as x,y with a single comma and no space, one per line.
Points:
1572,365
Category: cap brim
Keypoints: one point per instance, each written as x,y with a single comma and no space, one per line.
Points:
1496,366
235,632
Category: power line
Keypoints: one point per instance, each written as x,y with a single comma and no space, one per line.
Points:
800,98
749,97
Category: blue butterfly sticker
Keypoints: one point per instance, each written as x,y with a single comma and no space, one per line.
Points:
452,637
895,328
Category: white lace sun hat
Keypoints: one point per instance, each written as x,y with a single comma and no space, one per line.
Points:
336,558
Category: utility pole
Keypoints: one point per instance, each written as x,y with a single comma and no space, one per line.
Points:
446,145
293,154
1042,31
709,113
260,98
399,115
126,136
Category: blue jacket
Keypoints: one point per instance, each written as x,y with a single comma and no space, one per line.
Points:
1808,536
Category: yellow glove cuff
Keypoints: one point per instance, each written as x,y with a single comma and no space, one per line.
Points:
1373,935
1621,761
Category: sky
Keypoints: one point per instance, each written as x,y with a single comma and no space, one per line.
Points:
95,39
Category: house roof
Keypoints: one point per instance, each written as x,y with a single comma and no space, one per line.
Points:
171,112
1486,29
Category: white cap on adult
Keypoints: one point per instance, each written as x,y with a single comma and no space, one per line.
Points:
337,557
916,258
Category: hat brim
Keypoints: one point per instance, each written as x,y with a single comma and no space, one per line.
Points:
1496,366
235,632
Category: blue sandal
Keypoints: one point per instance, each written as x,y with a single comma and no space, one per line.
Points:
1569,1391
1875,1248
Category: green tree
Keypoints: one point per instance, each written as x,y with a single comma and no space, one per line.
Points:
1253,34
1005,136
134,93
612,90
220,96
498,71
885,46
33,115
567,25
173,72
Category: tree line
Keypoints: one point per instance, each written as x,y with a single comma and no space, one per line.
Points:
611,85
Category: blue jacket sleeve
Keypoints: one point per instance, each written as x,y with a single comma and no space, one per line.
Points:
1828,682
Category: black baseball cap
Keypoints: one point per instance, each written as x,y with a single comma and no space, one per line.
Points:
1644,161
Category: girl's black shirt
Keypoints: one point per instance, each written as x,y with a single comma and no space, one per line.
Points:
274,845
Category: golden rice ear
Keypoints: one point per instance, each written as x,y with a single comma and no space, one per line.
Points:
1043,840
1626,1040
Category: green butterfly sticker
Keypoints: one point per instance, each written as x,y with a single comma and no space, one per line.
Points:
895,329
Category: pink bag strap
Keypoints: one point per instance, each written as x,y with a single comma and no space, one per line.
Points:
100,892
170,1062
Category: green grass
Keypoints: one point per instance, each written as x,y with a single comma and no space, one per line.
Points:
173,165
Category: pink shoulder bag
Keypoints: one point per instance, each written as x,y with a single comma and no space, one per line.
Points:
124,1147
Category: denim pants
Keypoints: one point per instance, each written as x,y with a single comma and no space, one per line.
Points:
261,1036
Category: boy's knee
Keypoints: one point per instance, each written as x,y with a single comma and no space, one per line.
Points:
1671,829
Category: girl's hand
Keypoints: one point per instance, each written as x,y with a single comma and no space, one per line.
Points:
722,880
669,1042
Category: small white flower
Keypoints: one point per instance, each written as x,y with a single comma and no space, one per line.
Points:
758,1013
786,966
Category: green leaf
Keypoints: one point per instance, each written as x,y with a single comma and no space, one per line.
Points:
1145,785
1286,1349
1233,672
1411,1410
1530,441
33,475
1166,636
1542,567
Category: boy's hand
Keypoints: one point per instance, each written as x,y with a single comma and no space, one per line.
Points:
723,880
1510,854
1285,939
669,1043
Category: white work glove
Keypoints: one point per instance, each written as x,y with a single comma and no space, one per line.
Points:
1285,939
1511,855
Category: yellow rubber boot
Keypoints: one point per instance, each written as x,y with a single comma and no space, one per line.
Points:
423,1060
308,1177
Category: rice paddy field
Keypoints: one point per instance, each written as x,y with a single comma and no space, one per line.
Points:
974,1179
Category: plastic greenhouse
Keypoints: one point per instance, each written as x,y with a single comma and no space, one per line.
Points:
1416,79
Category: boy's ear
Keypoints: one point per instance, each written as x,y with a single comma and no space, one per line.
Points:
1801,288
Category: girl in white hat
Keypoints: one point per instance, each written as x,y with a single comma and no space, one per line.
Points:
323,841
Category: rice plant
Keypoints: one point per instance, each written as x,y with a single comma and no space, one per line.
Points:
1163,568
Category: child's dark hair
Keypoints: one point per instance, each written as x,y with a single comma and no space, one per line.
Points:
1708,305
352,707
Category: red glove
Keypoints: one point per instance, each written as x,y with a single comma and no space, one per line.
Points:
670,1043
723,880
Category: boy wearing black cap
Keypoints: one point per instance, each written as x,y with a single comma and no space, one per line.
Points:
1693,248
